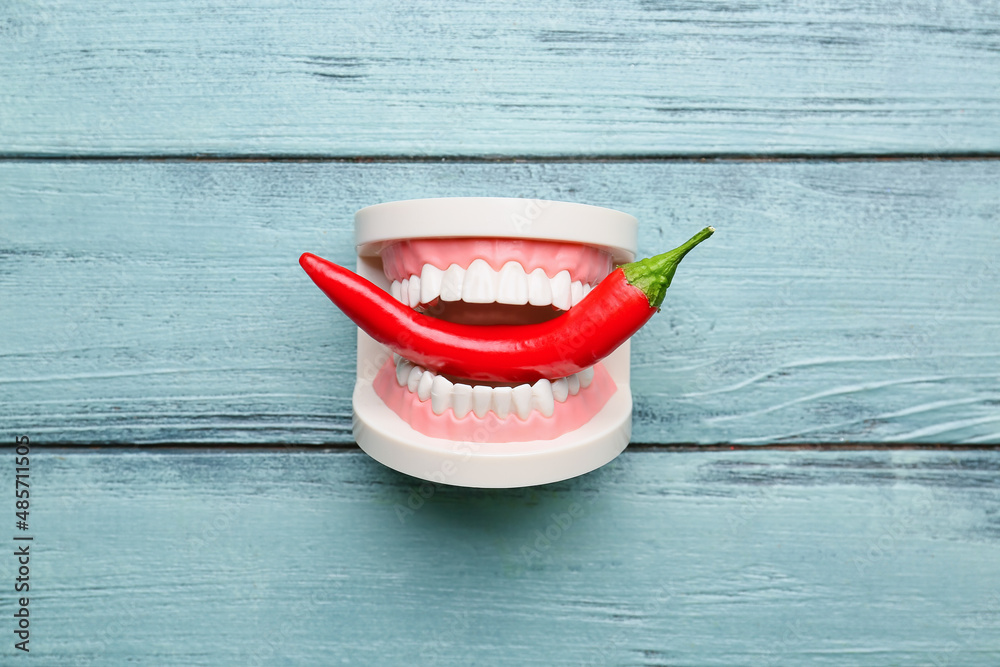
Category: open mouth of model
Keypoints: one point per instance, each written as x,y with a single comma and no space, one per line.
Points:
495,321
485,282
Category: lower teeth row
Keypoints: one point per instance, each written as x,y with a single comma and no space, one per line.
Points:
481,399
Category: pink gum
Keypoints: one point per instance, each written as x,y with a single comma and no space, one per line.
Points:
587,264
568,416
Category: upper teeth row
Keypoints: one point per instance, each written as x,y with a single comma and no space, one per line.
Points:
481,399
480,283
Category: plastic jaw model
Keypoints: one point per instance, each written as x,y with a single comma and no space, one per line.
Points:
490,261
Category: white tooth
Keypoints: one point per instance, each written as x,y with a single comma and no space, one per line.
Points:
539,288
501,401
560,390
573,381
561,296
451,283
402,371
541,397
586,290
394,290
414,293
522,400
413,379
586,377
576,292
440,394
404,291
512,285
481,397
461,399
480,284
424,386
430,283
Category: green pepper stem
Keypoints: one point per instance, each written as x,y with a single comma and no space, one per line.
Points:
653,274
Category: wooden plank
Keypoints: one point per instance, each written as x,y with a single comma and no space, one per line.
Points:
520,78
707,558
162,301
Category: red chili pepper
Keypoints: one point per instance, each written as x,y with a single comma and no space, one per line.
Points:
614,310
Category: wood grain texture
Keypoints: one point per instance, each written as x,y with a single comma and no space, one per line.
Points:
158,302
707,558
424,78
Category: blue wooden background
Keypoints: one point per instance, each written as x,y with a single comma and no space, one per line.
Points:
814,471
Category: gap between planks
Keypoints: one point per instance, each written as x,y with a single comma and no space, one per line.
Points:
674,447
516,159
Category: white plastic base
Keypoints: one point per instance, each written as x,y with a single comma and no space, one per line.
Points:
389,440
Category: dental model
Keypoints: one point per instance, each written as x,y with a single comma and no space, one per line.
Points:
497,378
